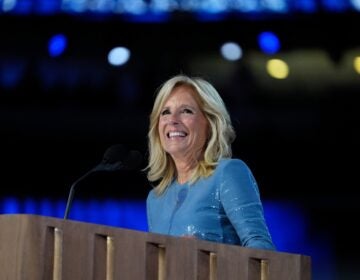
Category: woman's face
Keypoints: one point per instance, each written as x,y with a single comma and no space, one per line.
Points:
183,128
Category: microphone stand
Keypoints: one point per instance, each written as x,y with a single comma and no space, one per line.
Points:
71,193
101,167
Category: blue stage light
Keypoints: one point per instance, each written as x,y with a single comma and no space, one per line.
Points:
269,43
57,45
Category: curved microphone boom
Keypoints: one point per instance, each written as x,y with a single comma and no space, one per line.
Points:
115,158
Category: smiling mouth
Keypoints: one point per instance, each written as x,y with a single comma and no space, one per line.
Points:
173,134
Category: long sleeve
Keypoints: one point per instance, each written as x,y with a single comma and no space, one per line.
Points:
240,198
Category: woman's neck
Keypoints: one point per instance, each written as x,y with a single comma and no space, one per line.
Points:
184,170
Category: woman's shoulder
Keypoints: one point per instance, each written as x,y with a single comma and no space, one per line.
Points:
232,162
232,166
152,194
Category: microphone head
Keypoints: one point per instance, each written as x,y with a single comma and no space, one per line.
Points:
117,157
114,154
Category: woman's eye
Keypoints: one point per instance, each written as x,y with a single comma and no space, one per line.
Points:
165,112
187,111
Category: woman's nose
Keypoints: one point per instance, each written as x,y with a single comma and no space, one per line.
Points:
173,119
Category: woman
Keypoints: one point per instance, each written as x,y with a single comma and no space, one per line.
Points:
200,190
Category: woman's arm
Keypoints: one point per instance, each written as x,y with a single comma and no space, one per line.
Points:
241,201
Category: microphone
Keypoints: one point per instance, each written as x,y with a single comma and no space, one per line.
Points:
115,158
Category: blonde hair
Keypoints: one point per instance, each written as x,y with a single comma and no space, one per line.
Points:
161,168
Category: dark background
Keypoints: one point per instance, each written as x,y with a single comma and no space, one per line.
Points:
299,138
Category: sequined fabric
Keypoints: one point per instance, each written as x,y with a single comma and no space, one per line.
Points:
224,207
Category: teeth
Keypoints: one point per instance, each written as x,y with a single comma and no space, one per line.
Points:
176,134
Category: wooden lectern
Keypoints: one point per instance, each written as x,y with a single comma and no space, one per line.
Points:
36,247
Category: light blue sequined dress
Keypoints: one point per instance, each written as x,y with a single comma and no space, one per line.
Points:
224,207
